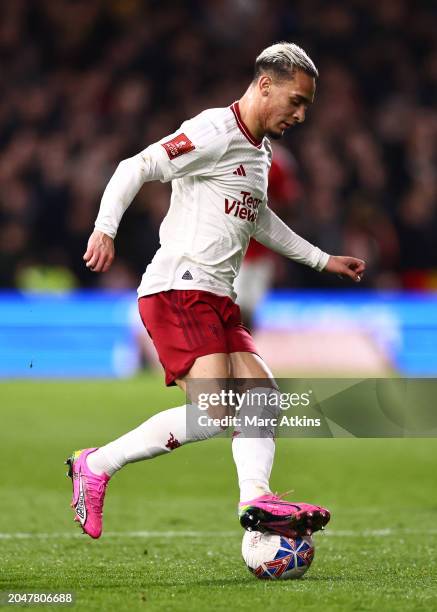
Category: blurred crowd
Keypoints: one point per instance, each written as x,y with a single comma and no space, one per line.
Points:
86,83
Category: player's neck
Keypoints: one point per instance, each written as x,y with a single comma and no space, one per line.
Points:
249,115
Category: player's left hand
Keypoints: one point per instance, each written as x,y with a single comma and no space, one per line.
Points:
346,266
99,254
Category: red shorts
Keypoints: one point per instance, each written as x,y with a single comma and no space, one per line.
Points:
186,324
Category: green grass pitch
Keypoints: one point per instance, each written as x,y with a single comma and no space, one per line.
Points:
172,540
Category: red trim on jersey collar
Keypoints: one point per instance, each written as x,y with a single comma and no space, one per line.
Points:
235,107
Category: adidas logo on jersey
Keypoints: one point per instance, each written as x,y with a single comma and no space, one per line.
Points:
240,170
187,275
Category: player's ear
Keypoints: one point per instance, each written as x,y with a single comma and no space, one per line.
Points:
264,84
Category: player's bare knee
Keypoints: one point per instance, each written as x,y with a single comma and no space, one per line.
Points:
210,395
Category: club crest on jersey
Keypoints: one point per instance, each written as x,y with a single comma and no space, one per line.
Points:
178,146
246,208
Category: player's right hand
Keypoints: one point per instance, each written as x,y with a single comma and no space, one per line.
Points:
99,254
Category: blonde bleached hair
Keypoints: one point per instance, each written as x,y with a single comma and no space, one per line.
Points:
282,60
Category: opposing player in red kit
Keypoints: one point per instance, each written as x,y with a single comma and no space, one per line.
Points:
218,163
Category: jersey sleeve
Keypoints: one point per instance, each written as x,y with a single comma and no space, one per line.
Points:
273,233
194,149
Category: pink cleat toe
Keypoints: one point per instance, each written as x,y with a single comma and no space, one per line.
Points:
271,513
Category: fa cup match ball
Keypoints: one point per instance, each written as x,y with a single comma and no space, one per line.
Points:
273,557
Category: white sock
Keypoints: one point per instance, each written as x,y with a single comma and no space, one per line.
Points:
254,459
253,448
158,435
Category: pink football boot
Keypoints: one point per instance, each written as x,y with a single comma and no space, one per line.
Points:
88,493
271,513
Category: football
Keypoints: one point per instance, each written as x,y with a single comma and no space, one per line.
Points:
273,557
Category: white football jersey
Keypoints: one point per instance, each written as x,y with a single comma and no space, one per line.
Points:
219,176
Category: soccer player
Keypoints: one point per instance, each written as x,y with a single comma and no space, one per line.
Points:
218,163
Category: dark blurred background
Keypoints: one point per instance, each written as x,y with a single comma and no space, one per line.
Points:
87,83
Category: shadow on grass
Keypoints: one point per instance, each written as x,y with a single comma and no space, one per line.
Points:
250,581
